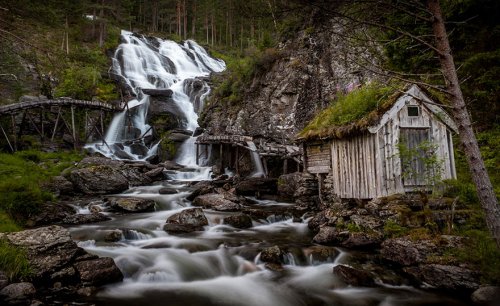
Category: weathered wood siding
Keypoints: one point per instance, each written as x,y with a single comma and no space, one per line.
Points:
369,166
318,158
354,167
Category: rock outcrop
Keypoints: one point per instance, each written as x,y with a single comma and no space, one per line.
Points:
295,81
188,220
131,205
55,258
99,175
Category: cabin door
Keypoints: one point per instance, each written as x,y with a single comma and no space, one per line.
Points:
414,152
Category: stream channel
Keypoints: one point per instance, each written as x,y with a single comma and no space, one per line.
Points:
219,265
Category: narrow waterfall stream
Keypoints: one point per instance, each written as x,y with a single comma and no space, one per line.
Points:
219,265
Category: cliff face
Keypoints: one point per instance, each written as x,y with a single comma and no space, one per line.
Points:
314,66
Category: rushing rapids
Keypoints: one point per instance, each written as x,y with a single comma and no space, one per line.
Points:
218,264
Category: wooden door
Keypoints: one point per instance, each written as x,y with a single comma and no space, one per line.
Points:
414,150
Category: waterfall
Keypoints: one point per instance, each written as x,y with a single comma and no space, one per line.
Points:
144,64
257,163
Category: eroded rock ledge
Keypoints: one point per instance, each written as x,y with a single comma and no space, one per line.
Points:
57,265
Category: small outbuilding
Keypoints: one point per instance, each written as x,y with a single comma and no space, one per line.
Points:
403,144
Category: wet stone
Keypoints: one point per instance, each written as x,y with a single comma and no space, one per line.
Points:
353,277
239,221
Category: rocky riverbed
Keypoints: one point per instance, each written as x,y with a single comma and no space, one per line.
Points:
195,241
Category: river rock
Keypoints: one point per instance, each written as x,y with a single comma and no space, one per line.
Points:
405,251
98,271
238,221
156,174
168,190
366,221
362,240
257,186
100,179
201,188
50,213
353,277
188,220
326,235
486,295
170,165
132,205
272,255
113,235
49,249
56,260
445,276
215,202
85,218
61,186
18,293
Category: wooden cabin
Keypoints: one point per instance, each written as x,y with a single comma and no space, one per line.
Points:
367,163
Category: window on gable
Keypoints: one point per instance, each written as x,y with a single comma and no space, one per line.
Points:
413,111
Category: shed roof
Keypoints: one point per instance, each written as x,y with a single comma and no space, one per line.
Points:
378,116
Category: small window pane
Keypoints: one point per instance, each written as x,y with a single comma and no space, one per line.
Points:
413,111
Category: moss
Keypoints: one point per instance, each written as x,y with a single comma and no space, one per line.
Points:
13,261
394,230
22,174
352,113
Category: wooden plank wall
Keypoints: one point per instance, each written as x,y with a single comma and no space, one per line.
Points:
318,158
354,167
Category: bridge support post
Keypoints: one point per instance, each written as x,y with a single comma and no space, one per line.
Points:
7,138
197,154
73,126
14,138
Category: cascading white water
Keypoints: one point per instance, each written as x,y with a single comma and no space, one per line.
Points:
152,63
257,163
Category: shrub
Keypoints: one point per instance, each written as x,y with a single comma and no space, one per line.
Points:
13,261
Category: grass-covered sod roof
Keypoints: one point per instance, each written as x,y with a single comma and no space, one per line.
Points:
352,113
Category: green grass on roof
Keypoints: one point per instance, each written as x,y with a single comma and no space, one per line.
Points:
350,109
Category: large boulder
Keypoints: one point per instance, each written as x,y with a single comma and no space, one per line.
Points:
54,257
353,277
487,296
406,252
238,221
188,220
99,271
85,218
131,205
216,202
257,186
49,249
445,276
18,293
101,179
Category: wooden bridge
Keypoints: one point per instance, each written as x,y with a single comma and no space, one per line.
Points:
75,121
230,155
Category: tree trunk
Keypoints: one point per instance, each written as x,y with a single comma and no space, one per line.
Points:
101,25
193,21
459,111
184,10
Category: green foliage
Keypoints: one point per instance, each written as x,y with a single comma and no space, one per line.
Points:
7,224
425,154
482,252
240,72
353,227
350,107
79,82
21,175
489,145
13,261
394,230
